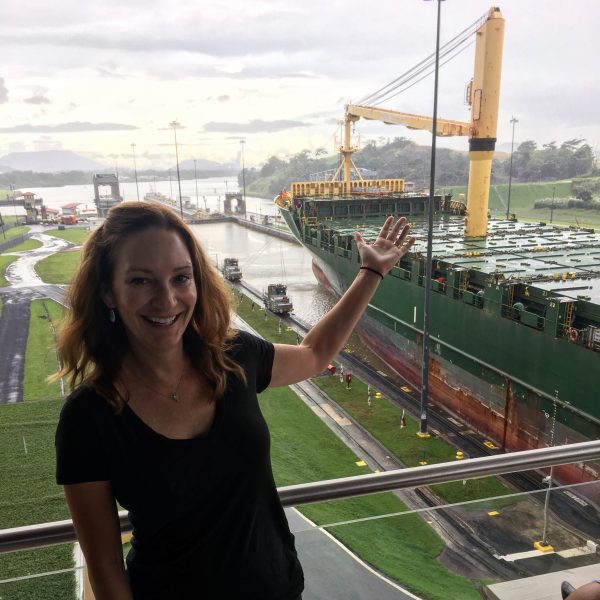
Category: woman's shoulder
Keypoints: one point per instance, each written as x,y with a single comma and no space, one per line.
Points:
244,342
85,400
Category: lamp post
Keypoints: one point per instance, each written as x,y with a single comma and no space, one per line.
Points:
137,189
428,272
175,125
14,199
512,143
544,542
196,182
552,205
242,142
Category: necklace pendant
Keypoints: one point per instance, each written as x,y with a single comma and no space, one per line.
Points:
174,396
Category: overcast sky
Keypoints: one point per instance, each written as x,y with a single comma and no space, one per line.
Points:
95,77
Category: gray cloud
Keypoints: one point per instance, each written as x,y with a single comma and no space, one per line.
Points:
3,91
74,126
37,99
224,98
254,126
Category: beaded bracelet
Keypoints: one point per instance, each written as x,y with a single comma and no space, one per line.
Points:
373,271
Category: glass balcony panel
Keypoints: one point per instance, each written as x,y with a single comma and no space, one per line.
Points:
370,546
41,574
448,551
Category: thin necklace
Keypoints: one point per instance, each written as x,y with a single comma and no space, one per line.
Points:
174,395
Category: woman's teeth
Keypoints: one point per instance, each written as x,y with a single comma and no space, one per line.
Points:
161,321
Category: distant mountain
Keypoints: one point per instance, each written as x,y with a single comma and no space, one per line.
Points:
48,161
202,164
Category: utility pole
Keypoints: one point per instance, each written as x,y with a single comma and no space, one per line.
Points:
196,182
552,205
544,543
175,125
428,271
512,144
137,189
242,142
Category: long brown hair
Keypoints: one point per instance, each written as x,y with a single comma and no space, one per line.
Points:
91,349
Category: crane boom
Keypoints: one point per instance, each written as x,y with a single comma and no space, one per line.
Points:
445,127
483,97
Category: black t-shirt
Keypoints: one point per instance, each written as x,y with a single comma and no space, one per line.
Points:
207,521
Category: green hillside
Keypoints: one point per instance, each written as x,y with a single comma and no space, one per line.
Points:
523,197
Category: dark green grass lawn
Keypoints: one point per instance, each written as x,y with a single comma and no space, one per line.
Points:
29,244
41,360
75,235
58,268
5,261
30,495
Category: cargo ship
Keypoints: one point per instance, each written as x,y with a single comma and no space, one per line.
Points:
514,307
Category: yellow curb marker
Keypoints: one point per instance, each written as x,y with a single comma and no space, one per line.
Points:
540,546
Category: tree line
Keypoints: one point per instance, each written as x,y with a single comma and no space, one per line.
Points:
402,158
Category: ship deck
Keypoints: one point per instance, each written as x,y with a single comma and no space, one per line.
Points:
565,261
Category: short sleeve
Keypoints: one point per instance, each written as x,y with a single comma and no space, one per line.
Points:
259,353
80,454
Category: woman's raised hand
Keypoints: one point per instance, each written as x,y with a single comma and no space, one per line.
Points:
390,246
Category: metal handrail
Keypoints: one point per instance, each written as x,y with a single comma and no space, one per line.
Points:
61,532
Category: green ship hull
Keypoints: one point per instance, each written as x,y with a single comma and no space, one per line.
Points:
514,317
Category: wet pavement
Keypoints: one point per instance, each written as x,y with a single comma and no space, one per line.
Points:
25,286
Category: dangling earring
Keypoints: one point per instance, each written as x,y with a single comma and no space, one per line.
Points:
112,317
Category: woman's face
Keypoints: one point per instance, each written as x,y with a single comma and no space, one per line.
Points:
153,290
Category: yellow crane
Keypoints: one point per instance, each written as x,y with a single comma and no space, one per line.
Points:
483,95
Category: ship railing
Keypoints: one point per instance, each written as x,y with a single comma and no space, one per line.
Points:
59,532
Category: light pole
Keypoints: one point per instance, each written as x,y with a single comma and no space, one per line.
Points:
428,270
544,542
175,125
137,189
513,121
552,205
196,181
242,142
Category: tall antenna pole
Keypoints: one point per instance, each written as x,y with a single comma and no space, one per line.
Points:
242,142
137,189
175,125
196,181
428,267
512,144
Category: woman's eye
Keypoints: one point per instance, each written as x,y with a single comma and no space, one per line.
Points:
139,280
183,278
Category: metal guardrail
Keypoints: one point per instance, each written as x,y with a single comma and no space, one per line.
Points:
60,532
8,244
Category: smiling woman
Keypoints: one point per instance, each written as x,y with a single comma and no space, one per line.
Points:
165,416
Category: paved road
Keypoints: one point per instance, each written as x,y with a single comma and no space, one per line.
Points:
332,572
14,327
25,286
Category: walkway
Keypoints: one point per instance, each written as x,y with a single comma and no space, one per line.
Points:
543,587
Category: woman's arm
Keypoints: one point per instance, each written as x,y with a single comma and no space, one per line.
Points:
323,342
94,513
